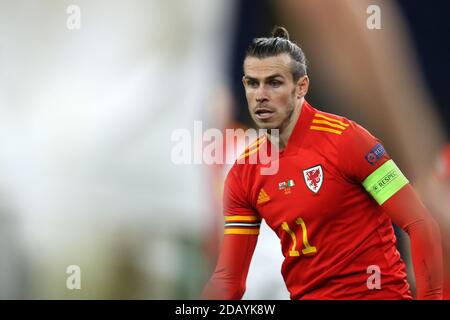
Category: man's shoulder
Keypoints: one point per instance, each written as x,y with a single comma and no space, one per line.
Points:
329,124
336,126
250,159
251,156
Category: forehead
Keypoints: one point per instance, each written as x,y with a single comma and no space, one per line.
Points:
264,67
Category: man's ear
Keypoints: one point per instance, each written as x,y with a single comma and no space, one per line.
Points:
302,86
243,80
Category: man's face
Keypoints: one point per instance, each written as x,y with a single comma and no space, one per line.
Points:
270,90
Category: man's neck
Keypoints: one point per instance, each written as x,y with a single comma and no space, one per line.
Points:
286,132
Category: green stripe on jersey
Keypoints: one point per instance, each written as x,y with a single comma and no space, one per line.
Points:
384,182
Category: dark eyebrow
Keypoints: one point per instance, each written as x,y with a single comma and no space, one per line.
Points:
274,76
248,78
271,77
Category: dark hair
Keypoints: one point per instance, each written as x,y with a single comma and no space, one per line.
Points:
279,43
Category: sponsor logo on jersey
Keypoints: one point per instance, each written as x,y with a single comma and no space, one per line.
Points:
375,154
313,178
262,196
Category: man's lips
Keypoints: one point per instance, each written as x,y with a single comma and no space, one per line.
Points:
263,113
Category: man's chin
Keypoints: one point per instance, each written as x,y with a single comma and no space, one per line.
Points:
266,125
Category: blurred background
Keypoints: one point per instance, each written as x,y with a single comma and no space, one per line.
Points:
92,91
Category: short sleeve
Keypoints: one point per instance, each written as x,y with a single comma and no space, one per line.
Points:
363,158
240,217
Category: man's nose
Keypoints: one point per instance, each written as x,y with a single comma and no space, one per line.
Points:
261,95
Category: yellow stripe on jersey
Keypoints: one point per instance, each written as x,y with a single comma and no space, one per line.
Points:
241,218
245,231
319,115
334,125
249,152
240,224
328,125
257,142
325,129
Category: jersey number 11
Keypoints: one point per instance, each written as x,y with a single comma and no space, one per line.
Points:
309,249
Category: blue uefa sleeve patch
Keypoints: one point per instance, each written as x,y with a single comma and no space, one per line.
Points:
375,154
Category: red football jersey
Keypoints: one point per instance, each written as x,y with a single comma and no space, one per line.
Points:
334,235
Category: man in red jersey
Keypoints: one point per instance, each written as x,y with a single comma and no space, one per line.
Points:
331,202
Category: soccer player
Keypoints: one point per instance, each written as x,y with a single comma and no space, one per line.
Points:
332,201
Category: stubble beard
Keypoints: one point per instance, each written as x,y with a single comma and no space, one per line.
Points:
286,121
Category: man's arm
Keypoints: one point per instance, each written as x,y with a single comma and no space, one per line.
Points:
241,231
407,211
364,159
229,277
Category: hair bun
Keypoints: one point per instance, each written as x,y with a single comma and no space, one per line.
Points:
280,32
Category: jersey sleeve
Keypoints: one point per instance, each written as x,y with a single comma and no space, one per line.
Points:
408,212
239,215
362,158
241,229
